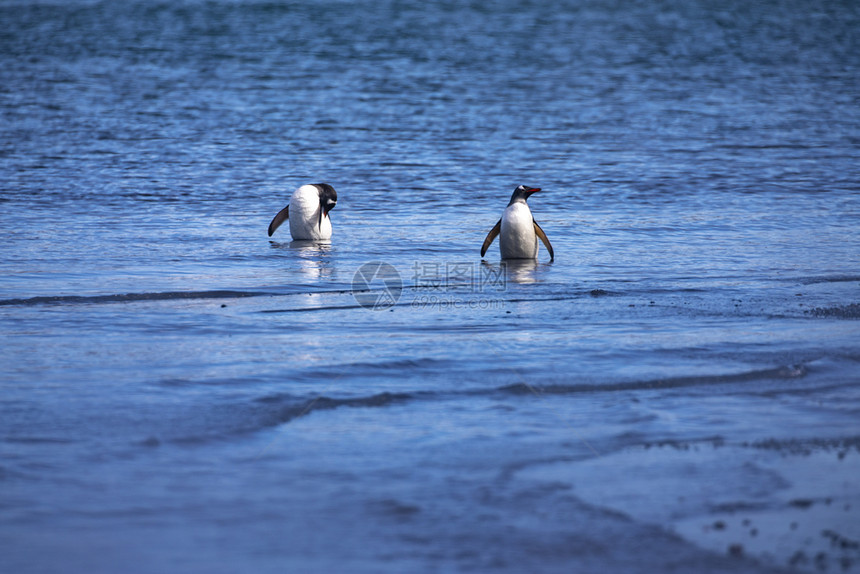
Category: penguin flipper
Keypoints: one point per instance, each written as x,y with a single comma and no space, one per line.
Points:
539,232
281,217
494,232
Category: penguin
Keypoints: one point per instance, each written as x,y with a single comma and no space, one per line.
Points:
518,229
308,217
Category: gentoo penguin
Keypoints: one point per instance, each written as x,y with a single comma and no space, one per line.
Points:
308,217
519,230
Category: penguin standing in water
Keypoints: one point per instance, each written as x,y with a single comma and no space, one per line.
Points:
518,229
308,217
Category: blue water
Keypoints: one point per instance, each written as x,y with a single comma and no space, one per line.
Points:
678,391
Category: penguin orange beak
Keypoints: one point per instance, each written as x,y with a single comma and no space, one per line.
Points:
532,190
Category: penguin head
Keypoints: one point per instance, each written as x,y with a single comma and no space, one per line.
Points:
328,199
522,193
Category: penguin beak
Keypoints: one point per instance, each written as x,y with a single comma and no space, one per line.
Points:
329,206
532,190
325,208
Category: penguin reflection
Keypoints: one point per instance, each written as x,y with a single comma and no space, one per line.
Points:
314,257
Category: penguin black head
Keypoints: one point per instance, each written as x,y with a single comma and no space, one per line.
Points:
328,199
522,193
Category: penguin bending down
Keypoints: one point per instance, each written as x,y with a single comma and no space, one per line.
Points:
518,229
308,217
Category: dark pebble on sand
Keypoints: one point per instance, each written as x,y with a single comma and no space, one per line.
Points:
736,550
798,558
839,541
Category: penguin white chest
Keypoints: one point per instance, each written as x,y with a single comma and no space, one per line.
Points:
517,239
307,220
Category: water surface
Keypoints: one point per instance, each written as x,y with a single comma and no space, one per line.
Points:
678,390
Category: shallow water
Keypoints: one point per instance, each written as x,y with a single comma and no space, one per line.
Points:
679,389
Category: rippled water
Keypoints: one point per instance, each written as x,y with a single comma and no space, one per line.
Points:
679,389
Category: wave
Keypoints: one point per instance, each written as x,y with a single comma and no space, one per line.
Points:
230,294
324,403
266,412
277,409
830,279
553,295
809,445
323,308
851,311
131,297
227,420
784,372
